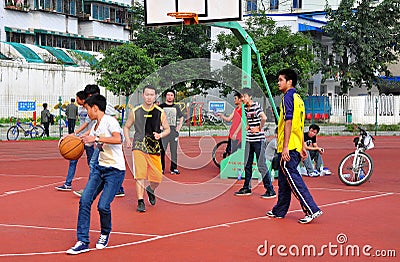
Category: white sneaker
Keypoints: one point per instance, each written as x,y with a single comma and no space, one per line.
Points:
308,219
314,173
103,241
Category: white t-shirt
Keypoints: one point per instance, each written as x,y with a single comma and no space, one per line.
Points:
111,155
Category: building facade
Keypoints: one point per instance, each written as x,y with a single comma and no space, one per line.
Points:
90,25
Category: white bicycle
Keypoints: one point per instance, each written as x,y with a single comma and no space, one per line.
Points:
356,168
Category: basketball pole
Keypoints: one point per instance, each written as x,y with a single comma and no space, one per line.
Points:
230,166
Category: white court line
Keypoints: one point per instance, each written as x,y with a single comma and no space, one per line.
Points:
351,190
34,176
74,229
30,189
202,228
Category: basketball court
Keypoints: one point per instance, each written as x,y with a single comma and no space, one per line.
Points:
197,217
38,223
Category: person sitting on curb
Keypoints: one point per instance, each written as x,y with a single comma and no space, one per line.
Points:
314,153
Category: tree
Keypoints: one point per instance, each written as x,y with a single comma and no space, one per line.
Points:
123,68
365,41
278,47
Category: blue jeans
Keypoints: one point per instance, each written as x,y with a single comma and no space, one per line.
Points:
94,161
257,148
313,155
72,165
108,180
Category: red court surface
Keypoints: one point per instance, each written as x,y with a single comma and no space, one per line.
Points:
197,217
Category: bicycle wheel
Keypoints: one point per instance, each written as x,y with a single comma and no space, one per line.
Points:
219,152
13,133
359,173
36,131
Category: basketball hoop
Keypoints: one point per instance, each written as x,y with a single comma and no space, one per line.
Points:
188,18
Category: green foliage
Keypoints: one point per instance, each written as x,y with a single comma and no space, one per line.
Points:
279,48
365,41
123,68
371,127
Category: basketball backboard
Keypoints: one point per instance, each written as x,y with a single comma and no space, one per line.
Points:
208,11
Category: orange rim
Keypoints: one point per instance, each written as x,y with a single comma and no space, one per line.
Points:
188,18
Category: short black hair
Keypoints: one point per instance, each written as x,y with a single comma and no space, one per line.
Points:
72,100
91,89
98,100
247,91
169,91
44,105
315,127
237,94
81,95
289,74
150,87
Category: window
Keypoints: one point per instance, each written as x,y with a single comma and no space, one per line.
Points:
15,37
72,7
274,5
60,6
251,5
297,4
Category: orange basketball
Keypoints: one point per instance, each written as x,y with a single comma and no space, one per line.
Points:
71,147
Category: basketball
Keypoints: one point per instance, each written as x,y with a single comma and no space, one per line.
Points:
71,147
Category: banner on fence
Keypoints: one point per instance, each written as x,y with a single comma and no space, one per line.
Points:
27,106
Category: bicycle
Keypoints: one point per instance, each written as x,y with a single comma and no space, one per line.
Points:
220,151
31,130
356,168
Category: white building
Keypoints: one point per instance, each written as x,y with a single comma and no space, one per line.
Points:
89,25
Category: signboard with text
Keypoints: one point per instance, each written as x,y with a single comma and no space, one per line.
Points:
26,106
216,106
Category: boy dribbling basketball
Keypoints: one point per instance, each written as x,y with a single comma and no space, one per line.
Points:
107,174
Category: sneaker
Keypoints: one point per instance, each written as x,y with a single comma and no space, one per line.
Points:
64,188
243,192
308,219
314,173
150,194
175,172
103,241
268,194
78,192
120,194
326,171
141,207
80,247
270,214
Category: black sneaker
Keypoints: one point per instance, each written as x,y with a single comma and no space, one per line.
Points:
150,194
64,188
175,172
141,207
268,194
271,214
243,192
80,247
120,194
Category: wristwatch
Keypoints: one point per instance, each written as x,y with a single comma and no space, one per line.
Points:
97,139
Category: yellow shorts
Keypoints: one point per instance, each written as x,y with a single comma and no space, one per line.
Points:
147,166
